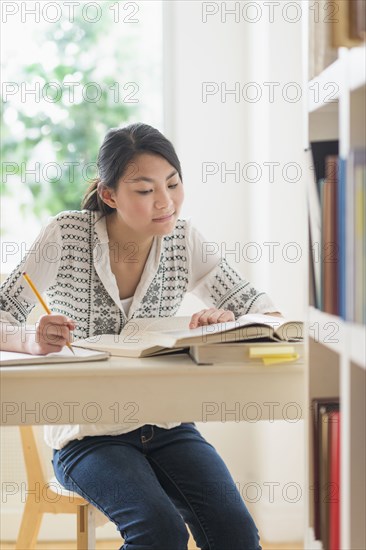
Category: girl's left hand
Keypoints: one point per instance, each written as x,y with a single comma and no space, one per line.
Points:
211,316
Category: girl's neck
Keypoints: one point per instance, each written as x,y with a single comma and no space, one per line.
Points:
120,234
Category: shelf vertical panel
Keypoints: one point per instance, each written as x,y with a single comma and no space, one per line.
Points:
344,106
345,494
357,458
305,74
353,438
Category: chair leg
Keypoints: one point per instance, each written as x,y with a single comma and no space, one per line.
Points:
29,527
86,527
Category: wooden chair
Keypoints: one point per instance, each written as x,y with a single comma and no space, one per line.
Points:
65,502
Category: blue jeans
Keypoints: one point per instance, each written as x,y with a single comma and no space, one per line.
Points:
153,481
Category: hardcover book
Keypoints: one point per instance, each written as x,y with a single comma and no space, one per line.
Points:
144,337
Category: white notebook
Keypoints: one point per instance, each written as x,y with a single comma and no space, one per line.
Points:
10,358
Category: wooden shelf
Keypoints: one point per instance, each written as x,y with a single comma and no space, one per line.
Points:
326,329
334,108
338,335
356,338
357,68
325,87
348,72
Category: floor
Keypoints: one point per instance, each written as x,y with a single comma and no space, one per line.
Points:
114,545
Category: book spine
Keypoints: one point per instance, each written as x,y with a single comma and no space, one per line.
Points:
322,54
320,406
349,237
324,422
334,482
357,20
351,216
330,243
341,210
359,234
341,24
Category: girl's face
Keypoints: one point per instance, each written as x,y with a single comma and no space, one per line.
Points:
149,189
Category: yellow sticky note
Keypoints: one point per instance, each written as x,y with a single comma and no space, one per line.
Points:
277,359
271,351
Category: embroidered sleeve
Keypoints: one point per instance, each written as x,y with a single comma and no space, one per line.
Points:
217,283
41,262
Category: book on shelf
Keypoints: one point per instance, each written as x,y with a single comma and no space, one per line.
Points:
146,337
314,213
13,359
253,353
352,231
344,251
312,299
324,488
348,24
357,162
321,52
330,246
357,19
329,488
337,220
322,414
334,482
341,23
319,152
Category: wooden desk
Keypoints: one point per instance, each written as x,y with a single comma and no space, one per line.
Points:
160,389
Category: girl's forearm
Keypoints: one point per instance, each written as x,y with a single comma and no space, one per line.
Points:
15,337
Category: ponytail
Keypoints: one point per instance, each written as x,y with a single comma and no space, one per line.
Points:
93,201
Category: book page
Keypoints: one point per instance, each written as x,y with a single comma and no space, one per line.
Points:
157,324
226,326
283,328
291,331
178,327
65,355
138,334
260,318
130,340
12,355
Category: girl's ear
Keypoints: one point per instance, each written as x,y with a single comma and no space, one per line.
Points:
106,195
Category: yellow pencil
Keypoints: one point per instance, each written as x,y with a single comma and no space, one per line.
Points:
42,302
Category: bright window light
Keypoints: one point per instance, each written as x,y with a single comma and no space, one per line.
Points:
70,72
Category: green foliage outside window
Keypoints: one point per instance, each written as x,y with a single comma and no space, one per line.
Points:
65,130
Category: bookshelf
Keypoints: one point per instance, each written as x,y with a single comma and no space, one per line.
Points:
335,108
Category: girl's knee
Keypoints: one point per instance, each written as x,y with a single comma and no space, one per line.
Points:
162,532
176,537
246,535
236,531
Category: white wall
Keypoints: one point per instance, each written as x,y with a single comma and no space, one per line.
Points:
245,212
225,130
243,132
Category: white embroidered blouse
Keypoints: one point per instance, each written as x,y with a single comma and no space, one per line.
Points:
70,263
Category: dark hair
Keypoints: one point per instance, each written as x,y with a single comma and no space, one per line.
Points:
119,147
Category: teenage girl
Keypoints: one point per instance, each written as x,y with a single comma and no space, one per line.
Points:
128,254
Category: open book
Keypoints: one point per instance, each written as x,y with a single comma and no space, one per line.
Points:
10,358
144,337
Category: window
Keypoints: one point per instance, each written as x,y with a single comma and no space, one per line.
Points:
71,70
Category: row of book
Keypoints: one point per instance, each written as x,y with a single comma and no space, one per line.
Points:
326,462
335,24
337,216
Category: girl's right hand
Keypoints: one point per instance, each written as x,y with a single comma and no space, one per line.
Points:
52,333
